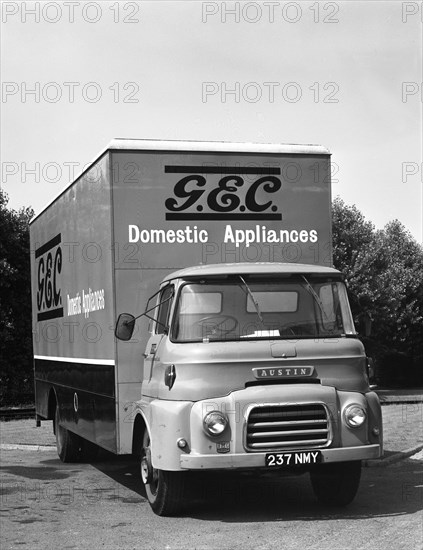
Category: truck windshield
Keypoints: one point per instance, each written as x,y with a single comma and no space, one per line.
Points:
235,310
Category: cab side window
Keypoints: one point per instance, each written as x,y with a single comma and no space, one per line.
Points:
165,300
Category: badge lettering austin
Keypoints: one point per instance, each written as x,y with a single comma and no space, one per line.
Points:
283,372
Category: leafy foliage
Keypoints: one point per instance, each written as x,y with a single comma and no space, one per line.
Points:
384,269
16,379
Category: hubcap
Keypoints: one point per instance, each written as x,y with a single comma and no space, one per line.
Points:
149,475
144,471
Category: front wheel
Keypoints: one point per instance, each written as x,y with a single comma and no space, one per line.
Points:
336,484
165,490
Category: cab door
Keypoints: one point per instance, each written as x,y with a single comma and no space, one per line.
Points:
153,366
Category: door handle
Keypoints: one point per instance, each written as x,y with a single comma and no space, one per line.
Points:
170,376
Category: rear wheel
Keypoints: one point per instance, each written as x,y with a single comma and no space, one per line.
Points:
72,447
336,484
165,490
68,444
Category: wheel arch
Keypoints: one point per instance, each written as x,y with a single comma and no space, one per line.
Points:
140,426
52,404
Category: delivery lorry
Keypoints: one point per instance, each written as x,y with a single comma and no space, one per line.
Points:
185,311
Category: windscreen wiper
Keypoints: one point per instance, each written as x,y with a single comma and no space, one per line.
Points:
311,290
253,298
319,302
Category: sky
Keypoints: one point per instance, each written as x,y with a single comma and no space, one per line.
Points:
345,75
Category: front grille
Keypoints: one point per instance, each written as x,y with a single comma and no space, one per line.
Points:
273,427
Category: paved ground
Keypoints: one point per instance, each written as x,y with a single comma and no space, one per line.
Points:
47,504
24,432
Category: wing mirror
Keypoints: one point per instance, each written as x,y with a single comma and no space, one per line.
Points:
125,326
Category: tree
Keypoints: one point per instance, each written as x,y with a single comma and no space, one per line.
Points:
403,279
384,270
16,378
353,241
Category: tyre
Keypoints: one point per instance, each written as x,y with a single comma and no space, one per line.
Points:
336,484
165,490
72,447
68,444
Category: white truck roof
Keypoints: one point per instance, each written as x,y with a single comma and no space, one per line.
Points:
250,268
214,146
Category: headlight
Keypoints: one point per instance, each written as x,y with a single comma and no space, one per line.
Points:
354,415
214,423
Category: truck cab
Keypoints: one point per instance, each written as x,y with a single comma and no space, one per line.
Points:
253,367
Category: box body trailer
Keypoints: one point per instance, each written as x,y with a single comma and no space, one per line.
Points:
243,354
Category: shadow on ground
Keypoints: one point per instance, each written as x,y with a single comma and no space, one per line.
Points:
390,491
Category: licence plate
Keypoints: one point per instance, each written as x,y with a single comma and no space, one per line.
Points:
298,458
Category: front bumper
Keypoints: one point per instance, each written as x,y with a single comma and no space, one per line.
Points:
257,460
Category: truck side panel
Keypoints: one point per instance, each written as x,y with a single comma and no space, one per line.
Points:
73,308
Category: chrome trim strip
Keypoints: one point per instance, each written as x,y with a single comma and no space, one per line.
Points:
288,444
